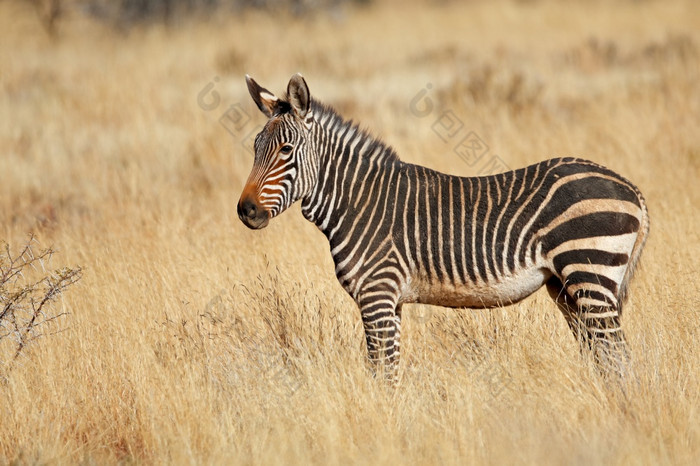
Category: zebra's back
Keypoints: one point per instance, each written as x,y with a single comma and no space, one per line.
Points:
490,241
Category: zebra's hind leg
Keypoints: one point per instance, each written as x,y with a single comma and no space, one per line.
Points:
597,328
607,339
382,323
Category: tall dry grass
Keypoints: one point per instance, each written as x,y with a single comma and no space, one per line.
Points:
191,339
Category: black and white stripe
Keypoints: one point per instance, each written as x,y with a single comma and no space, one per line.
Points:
401,233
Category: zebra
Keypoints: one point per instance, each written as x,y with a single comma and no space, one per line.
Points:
402,233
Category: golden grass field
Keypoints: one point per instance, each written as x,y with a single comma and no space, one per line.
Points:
193,340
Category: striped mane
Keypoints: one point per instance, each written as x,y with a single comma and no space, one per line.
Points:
331,120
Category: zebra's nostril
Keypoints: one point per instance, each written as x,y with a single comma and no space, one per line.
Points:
247,209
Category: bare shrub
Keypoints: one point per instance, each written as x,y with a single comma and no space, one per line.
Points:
28,292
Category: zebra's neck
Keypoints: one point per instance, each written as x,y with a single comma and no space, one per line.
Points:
351,162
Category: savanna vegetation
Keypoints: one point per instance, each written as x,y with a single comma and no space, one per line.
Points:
190,339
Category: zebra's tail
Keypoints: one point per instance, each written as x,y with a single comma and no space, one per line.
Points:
636,249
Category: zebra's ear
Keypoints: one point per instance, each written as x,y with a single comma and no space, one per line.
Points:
264,99
298,95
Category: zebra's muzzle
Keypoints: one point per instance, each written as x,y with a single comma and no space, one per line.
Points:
252,215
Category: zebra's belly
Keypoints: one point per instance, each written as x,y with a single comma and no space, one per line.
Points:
507,290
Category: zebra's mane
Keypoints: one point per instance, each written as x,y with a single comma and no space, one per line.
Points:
334,121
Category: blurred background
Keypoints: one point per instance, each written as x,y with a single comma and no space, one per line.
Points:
114,101
125,141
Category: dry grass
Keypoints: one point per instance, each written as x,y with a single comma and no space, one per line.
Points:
194,340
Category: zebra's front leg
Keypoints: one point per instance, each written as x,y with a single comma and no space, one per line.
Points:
381,317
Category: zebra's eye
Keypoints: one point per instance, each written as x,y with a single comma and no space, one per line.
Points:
286,149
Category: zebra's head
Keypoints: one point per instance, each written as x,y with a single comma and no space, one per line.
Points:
283,167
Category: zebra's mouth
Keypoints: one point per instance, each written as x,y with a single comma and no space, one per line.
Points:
255,223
